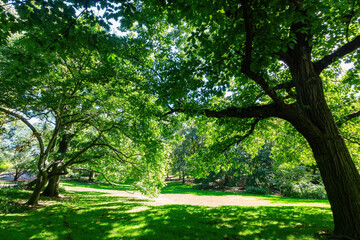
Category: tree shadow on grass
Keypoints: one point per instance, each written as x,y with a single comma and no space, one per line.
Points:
229,222
101,217
81,217
103,186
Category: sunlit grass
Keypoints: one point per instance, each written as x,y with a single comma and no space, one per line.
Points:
178,188
90,215
103,186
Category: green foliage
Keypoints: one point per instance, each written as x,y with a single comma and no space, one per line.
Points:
299,182
4,165
187,141
8,198
243,63
309,190
256,190
18,148
87,90
261,168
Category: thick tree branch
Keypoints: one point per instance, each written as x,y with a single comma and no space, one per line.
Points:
55,133
261,112
24,120
246,65
72,160
91,145
285,85
339,53
352,115
348,117
264,111
238,139
172,110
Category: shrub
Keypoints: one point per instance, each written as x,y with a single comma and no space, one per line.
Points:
256,190
304,190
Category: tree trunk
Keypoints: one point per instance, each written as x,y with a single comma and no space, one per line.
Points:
17,175
342,183
183,177
313,119
52,189
91,176
34,199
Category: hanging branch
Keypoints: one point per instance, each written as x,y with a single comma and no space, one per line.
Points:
238,139
103,175
24,120
246,65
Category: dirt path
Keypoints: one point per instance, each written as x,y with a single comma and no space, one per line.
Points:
190,199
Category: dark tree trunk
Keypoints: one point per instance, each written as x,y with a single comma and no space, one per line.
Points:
312,117
342,183
183,177
91,176
34,199
17,175
52,189
339,174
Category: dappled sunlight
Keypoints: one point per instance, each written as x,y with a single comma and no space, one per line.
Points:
176,193
110,217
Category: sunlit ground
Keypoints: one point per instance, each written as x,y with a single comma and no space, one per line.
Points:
90,215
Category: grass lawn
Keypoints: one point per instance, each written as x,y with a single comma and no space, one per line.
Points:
90,215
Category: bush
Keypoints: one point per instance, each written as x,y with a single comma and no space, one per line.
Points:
256,190
304,190
309,190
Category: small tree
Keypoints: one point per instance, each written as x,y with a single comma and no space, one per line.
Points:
261,168
17,149
189,142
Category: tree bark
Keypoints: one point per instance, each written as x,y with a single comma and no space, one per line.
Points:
339,174
34,199
313,119
52,188
17,175
183,177
91,176
342,183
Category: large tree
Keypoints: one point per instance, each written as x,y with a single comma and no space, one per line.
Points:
80,85
254,60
